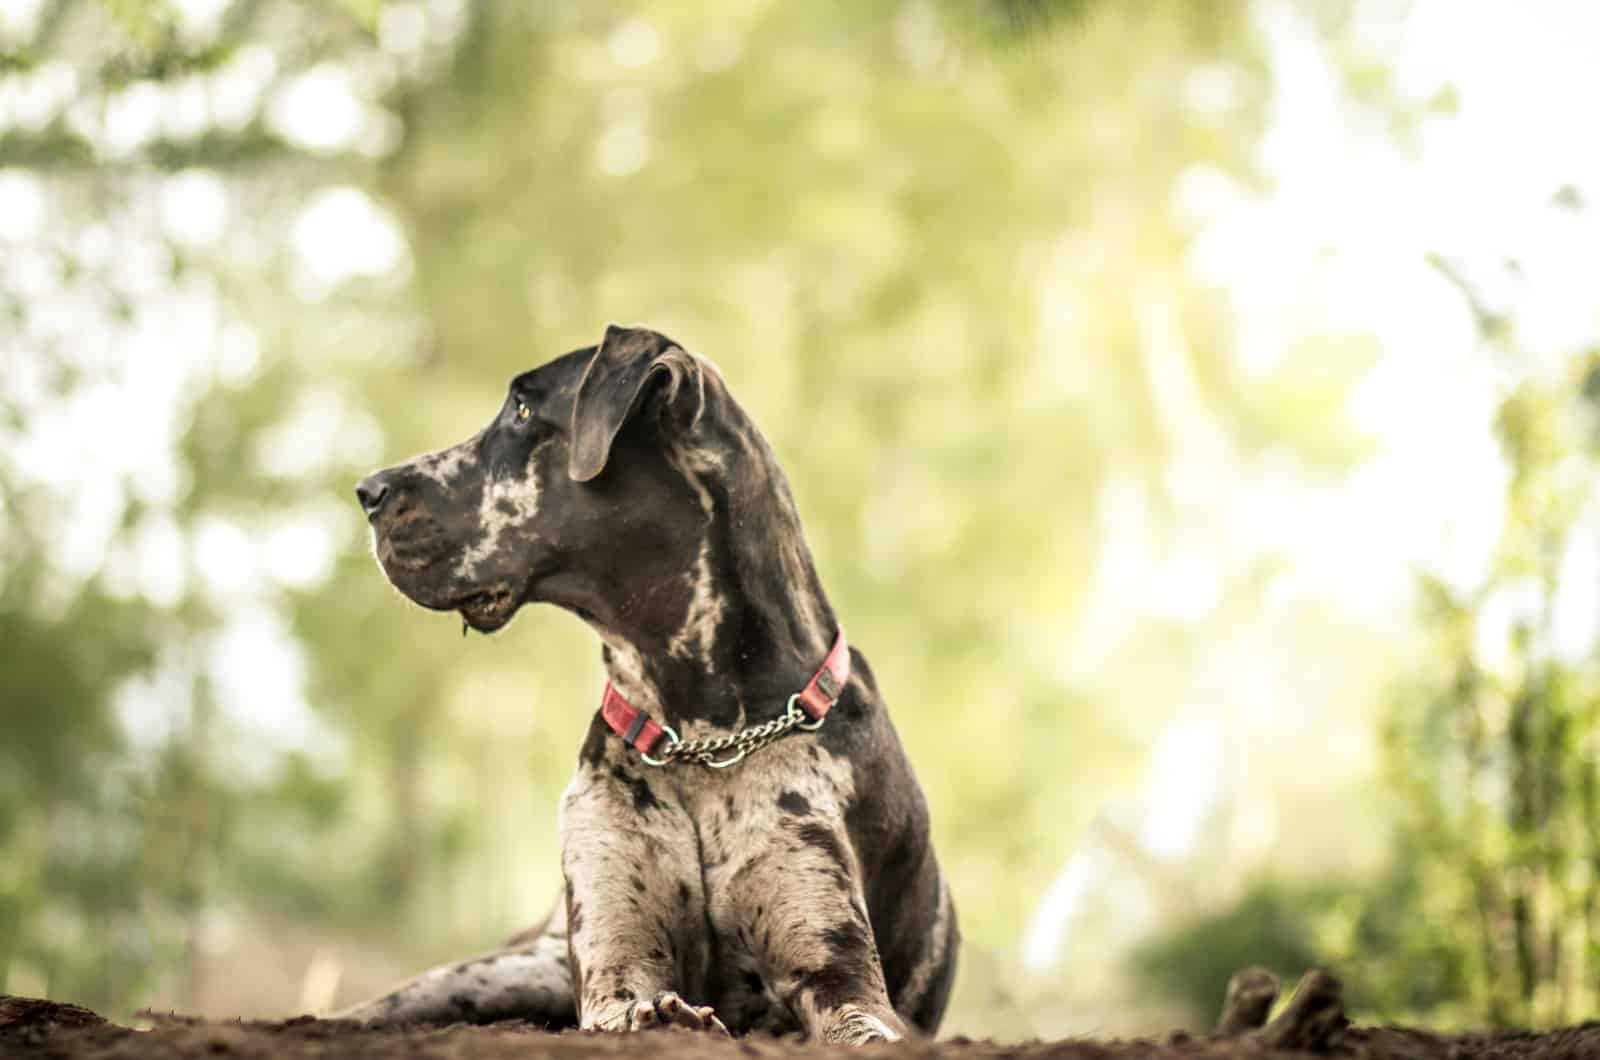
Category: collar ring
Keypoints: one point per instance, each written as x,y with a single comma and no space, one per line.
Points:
666,756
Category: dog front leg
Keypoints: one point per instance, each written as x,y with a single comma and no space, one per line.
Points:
635,906
801,900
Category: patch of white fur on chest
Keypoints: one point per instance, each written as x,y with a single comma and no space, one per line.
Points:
745,808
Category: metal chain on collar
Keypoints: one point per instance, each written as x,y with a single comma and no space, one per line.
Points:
745,741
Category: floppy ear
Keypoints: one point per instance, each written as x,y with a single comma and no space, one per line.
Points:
614,387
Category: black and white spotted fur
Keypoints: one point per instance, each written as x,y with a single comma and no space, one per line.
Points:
795,891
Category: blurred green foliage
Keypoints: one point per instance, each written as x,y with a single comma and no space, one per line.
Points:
1487,911
1492,751
1271,926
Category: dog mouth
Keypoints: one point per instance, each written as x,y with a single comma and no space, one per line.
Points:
488,610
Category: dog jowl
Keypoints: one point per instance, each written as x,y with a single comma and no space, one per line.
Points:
793,891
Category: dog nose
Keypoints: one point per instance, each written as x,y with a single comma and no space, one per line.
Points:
372,491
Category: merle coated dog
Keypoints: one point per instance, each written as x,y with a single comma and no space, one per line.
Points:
744,844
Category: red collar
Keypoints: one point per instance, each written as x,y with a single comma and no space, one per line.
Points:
643,733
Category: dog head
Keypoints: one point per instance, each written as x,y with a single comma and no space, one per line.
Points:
566,487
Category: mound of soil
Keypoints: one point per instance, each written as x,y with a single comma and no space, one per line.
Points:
1311,1025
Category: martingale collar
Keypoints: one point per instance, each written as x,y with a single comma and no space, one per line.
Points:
806,709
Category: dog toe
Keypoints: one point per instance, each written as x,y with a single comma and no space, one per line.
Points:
667,1009
674,1010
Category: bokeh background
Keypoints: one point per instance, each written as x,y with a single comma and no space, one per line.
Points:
1192,407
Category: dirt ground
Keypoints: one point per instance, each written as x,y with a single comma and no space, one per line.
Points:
1312,1024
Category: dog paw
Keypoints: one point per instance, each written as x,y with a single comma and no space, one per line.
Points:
861,1028
669,1010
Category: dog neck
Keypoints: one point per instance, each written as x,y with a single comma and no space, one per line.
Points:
746,622
746,639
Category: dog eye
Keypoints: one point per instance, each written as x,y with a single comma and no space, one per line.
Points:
523,413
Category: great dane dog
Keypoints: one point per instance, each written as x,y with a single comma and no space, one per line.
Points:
744,844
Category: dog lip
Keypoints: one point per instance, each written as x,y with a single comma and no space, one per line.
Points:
486,610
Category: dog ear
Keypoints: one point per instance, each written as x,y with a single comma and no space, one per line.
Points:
614,387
